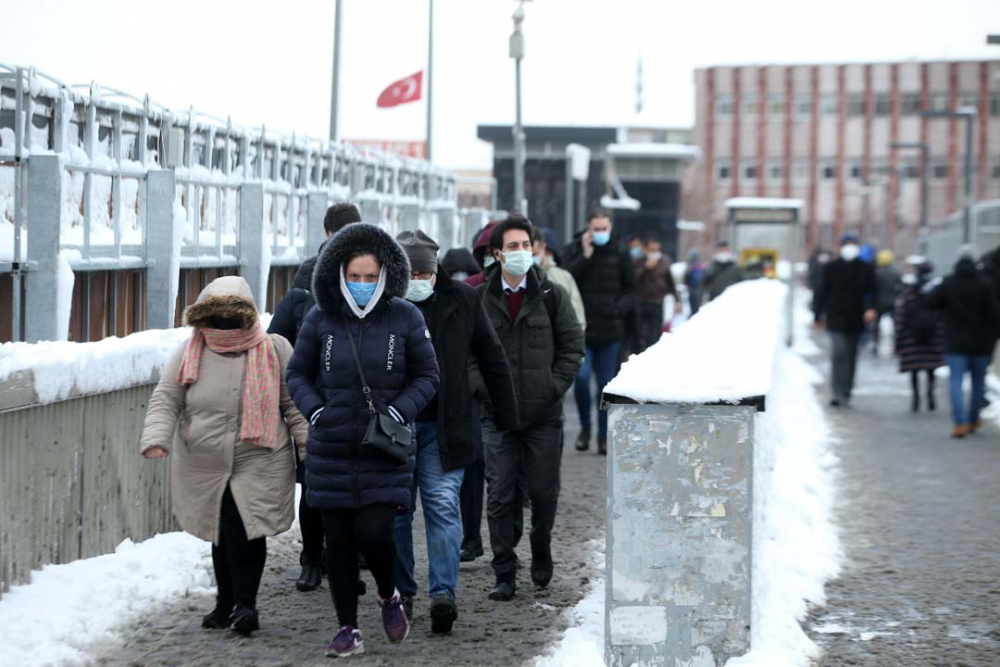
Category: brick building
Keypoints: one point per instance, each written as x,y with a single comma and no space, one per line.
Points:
822,133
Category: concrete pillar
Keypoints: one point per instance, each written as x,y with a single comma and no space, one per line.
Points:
409,217
163,250
448,229
680,488
255,251
371,210
315,232
41,285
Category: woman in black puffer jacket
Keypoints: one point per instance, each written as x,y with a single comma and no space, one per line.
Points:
359,281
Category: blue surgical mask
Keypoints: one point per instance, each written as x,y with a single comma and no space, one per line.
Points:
635,252
362,292
537,259
600,238
419,290
518,262
488,261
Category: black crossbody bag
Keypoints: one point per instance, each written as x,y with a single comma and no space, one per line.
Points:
385,435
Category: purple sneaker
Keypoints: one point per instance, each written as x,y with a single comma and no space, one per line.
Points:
397,628
348,642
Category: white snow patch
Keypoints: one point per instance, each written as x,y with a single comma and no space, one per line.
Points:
64,290
583,644
68,608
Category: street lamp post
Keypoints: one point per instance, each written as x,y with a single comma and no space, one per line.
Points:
968,114
925,215
517,53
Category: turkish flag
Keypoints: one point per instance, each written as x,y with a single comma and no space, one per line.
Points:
402,91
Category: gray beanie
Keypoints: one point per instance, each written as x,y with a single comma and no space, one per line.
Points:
421,249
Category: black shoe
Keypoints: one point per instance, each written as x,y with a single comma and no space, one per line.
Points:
407,605
218,618
310,578
470,553
602,446
931,403
362,587
503,591
443,613
541,571
915,403
583,440
834,402
244,620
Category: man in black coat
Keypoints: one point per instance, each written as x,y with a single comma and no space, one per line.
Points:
605,274
844,305
287,321
538,329
460,329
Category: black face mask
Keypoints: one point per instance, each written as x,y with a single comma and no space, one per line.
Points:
225,322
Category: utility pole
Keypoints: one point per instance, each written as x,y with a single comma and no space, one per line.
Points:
430,76
517,53
335,93
925,214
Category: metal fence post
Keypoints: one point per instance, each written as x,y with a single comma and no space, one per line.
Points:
41,286
255,264
315,232
371,210
163,252
447,229
409,217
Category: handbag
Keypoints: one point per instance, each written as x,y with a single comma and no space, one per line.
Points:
385,436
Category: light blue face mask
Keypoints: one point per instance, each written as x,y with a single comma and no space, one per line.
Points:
537,259
488,261
362,292
600,238
518,262
636,252
419,290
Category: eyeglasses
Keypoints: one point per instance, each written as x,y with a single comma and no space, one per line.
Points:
425,275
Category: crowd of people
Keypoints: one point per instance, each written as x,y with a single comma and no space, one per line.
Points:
390,371
952,321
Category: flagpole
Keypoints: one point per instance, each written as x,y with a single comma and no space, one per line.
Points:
335,93
430,77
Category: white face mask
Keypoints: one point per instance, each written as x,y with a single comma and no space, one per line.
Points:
655,256
724,256
419,290
850,252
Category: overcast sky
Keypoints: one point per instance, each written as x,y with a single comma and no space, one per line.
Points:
271,62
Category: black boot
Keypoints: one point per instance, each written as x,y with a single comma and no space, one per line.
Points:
310,578
470,552
443,613
931,402
541,566
504,589
583,440
915,402
602,446
244,620
218,618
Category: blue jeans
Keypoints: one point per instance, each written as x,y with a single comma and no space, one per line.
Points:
958,365
601,360
439,493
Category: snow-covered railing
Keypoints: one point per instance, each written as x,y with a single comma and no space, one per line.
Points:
108,142
681,419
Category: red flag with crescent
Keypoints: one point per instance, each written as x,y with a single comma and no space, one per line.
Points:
402,91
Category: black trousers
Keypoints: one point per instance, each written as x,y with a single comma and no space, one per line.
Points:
370,531
311,526
537,450
844,363
650,324
237,561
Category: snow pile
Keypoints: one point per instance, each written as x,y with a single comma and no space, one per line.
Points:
583,644
706,359
68,608
64,292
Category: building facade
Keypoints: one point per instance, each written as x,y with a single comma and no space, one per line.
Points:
824,134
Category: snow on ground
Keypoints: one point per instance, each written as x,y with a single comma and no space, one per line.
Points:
796,547
67,608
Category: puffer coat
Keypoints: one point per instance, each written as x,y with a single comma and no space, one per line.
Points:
398,358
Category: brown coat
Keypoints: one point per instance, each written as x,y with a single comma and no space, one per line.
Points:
209,454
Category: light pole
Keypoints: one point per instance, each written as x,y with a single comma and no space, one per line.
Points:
335,92
517,53
925,215
968,114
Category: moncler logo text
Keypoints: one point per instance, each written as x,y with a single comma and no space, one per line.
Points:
328,351
391,353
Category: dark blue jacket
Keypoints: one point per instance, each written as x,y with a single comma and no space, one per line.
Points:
398,359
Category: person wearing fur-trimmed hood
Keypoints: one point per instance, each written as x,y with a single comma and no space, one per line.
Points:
359,282
233,475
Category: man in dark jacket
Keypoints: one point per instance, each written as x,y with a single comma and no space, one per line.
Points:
287,321
721,274
656,283
971,318
605,274
844,304
459,329
544,344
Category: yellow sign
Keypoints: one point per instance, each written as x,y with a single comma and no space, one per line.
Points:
759,262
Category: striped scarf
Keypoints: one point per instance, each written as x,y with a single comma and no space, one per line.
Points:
259,425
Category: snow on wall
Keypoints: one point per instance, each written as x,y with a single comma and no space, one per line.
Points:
64,292
706,360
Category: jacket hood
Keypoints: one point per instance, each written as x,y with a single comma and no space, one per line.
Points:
482,243
965,268
460,259
228,296
359,238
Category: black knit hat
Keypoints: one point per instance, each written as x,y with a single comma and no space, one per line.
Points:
421,249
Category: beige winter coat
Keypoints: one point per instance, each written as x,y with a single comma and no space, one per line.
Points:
209,454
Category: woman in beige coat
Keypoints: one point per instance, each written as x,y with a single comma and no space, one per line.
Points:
233,474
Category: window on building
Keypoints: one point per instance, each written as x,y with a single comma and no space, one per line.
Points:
724,105
856,171
883,104
910,170
940,170
828,170
750,104
776,171
803,105
776,103
968,99
856,104
939,102
750,170
828,104
995,103
800,170
910,104
722,170
996,170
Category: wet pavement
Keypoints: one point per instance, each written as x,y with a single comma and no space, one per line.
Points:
918,516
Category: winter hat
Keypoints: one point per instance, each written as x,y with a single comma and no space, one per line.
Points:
850,237
886,258
968,251
421,249
459,260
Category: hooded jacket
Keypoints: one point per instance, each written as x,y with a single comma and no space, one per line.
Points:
607,284
399,363
971,312
292,308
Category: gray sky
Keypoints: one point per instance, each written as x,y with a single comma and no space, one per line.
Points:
271,61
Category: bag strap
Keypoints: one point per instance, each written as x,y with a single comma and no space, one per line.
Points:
367,390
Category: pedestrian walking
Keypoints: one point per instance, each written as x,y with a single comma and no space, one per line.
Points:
482,255
887,287
545,247
721,274
817,265
286,322
919,333
460,263
605,274
655,283
971,319
694,273
363,366
544,344
233,479
443,447
844,305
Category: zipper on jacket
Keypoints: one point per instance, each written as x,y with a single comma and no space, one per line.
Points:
356,446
